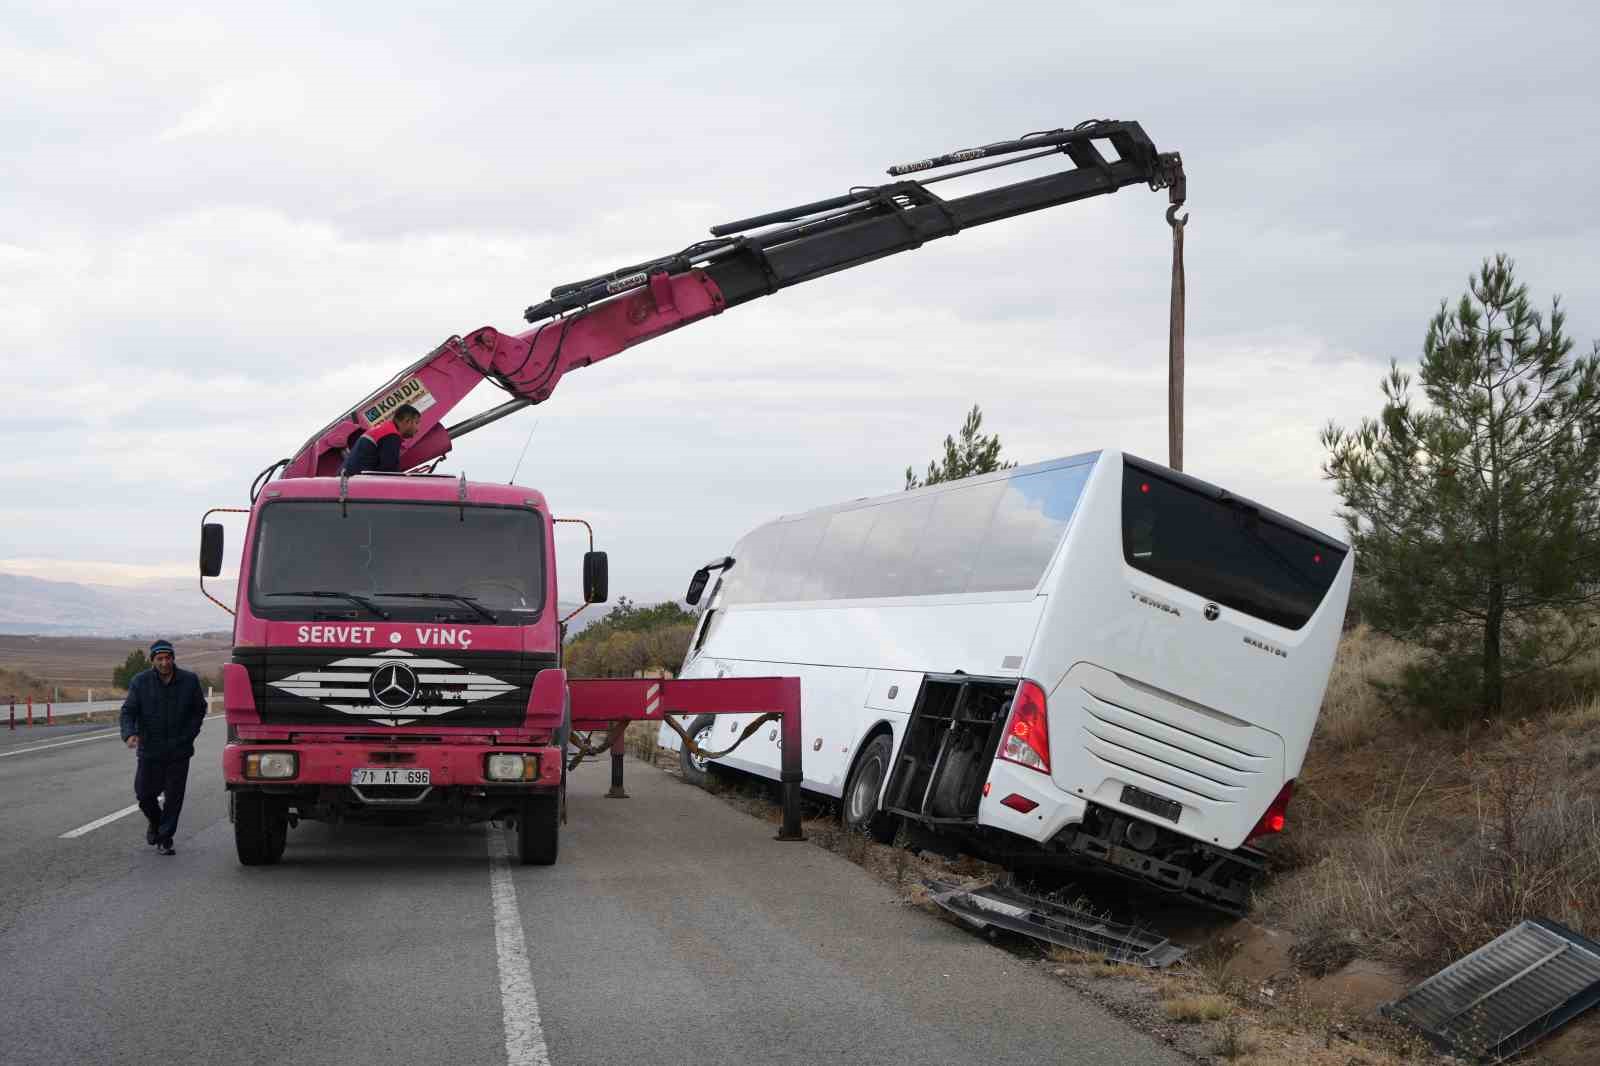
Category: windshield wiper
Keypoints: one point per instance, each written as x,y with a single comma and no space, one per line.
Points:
326,594
482,611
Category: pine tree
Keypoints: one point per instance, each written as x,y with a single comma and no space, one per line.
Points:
134,664
972,454
1475,512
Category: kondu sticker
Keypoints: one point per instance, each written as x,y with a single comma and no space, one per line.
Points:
410,391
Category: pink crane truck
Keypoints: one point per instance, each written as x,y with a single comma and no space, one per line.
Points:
397,649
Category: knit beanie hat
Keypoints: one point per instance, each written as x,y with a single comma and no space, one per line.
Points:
160,646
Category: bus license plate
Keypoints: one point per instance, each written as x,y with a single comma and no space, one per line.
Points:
389,775
1157,805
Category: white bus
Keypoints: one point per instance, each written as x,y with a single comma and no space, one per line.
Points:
1113,661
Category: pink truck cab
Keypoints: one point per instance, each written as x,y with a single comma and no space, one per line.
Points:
396,660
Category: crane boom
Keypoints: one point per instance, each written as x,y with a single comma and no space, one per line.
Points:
586,321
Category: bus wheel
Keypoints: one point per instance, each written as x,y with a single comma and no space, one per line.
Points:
861,812
537,838
696,768
260,829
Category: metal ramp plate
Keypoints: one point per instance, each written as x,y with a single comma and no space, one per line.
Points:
1521,986
1006,908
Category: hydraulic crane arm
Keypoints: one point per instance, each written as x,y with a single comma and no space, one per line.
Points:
586,321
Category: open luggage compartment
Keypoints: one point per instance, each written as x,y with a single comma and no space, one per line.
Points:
950,741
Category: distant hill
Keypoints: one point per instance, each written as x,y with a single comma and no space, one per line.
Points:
168,606
165,607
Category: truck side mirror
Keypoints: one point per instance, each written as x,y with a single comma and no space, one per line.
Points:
697,585
211,549
594,577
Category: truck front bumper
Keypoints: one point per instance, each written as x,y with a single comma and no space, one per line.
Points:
448,765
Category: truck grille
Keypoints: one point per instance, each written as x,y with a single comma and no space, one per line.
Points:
390,686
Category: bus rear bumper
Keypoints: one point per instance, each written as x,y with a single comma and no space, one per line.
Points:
1027,802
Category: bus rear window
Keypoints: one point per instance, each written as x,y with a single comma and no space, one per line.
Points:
1225,549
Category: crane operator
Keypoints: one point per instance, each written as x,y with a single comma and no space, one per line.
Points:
379,447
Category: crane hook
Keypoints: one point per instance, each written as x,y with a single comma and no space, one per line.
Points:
1172,216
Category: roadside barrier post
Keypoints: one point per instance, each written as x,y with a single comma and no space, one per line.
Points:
13,714
30,711
49,710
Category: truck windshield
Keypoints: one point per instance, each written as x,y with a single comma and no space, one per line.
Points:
411,560
1224,548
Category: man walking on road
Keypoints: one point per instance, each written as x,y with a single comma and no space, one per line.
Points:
160,719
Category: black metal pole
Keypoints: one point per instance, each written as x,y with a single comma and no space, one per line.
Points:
617,791
790,777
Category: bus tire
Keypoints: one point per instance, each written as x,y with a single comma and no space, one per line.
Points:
860,810
260,829
696,770
537,838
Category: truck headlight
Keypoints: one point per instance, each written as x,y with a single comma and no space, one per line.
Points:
503,767
271,765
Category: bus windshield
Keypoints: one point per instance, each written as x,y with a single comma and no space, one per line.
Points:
405,560
1225,549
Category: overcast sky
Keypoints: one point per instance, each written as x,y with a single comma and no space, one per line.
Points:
220,228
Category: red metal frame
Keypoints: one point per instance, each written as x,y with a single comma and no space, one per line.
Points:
613,703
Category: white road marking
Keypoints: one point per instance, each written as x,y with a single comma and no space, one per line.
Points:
519,1006
98,822
61,743
78,740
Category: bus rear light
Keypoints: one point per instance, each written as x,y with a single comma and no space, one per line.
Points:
1018,802
1027,737
1277,814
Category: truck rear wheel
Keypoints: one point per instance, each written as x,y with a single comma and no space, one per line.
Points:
537,837
260,828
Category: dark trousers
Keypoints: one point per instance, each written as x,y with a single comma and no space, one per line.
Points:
154,777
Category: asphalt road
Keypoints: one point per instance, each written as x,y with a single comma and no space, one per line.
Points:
674,929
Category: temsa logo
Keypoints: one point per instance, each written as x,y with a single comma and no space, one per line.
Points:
1140,597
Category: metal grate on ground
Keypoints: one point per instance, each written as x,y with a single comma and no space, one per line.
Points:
1524,984
1005,908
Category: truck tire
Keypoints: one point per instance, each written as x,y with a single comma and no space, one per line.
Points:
537,837
260,828
696,770
863,792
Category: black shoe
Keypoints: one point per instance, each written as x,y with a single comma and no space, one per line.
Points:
166,848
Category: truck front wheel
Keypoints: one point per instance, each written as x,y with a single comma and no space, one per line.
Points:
537,838
260,828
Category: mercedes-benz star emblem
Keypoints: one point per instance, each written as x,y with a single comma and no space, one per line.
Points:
1212,610
394,686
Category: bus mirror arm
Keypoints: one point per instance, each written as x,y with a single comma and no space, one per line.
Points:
697,583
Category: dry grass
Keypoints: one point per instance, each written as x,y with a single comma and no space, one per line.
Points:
1354,711
1416,845
1198,1008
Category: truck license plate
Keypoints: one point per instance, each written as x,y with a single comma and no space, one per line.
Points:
389,775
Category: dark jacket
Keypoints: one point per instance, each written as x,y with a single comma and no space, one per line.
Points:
165,718
376,449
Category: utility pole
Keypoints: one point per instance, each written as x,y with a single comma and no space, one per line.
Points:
1175,337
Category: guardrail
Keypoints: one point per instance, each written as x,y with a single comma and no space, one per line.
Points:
28,712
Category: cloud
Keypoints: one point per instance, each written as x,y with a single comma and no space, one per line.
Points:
219,230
